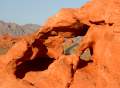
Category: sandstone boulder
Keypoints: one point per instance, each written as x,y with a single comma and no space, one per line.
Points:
50,57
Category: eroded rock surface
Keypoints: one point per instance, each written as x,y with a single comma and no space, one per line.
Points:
51,57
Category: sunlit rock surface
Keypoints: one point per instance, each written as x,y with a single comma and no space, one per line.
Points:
53,57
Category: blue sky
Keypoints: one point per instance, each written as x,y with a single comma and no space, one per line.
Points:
33,11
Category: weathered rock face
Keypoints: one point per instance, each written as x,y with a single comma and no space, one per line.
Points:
50,58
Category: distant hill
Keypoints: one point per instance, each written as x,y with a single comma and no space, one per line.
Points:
17,30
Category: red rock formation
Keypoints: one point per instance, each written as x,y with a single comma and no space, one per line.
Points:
44,59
